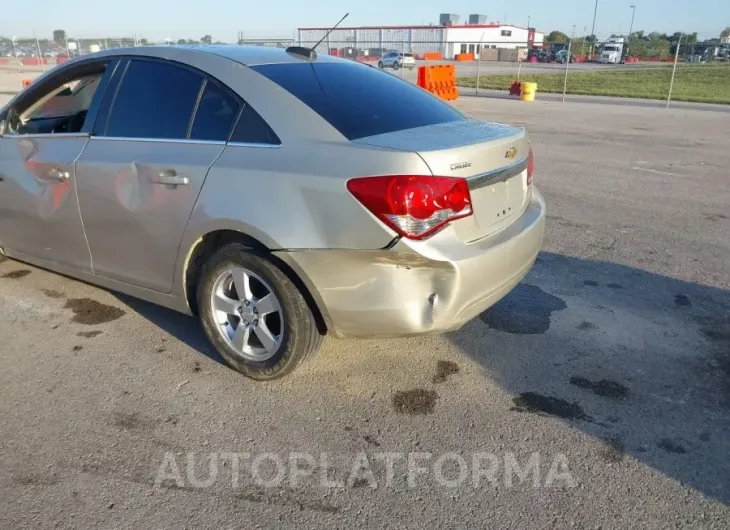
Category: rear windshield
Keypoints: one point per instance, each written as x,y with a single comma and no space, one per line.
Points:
406,55
359,100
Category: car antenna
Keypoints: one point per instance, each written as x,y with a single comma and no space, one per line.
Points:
310,53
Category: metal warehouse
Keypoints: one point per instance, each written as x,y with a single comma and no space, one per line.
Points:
448,40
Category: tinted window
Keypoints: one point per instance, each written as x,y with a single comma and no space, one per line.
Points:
155,100
252,129
358,100
216,114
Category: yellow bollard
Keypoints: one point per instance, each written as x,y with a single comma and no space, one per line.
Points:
528,91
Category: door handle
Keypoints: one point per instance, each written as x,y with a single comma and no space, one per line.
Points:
171,178
56,173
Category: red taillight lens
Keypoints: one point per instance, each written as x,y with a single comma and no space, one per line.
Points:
415,206
530,167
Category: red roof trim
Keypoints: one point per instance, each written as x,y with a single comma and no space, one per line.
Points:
422,27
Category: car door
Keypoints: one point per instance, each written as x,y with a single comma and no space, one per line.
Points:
160,128
45,131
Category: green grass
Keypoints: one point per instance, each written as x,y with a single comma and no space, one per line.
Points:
701,84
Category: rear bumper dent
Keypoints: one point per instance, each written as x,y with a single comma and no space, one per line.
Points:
387,293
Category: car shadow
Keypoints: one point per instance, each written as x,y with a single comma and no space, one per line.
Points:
638,360
184,328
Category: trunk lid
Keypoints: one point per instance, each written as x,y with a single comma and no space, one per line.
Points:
492,157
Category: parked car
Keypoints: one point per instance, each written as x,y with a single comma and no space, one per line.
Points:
279,200
395,60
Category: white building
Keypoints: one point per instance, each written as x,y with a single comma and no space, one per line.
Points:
449,40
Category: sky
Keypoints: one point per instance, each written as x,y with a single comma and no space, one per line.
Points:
157,20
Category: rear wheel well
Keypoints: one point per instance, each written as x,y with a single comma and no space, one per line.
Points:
212,241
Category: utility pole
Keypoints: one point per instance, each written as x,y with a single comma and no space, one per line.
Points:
593,28
631,29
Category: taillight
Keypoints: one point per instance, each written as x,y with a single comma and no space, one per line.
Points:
414,206
530,167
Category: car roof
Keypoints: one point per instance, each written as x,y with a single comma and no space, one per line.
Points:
246,55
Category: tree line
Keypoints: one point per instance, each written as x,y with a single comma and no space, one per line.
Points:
641,44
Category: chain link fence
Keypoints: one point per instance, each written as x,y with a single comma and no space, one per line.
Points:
615,68
640,67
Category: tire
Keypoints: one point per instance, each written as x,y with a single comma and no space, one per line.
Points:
298,337
395,65
380,65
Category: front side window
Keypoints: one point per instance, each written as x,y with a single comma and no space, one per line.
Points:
60,110
154,100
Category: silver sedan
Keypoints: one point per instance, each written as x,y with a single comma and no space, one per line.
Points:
277,195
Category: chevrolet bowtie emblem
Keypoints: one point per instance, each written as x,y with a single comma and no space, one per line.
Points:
511,153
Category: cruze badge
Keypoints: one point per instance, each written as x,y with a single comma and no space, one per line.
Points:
460,165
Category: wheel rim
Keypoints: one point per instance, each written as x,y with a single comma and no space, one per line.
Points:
247,314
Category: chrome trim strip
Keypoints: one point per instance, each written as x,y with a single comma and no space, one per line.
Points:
158,140
48,135
497,175
245,144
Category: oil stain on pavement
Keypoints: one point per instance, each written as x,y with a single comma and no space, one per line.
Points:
89,334
670,446
444,369
130,422
52,293
525,311
16,275
613,450
90,312
415,402
603,388
535,403
682,300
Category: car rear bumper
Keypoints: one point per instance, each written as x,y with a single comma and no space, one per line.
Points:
401,291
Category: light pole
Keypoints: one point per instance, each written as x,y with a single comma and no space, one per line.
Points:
593,28
633,13
631,29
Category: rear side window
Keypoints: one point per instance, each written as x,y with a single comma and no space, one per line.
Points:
358,100
216,114
252,129
155,100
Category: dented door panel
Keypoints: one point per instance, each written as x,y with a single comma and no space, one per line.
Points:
38,203
135,198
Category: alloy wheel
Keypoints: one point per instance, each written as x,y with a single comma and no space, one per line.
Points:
247,314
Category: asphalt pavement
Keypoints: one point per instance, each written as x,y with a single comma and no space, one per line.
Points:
595,395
